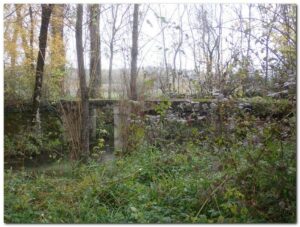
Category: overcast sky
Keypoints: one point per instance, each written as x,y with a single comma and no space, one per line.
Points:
150,54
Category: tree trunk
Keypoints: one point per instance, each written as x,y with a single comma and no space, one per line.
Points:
177,51
241,30
111,48
219,48
174,70
164,53
195,56
134,53
267,61
209,71
111,57
249,32
246,83
46,13
95,51
84,133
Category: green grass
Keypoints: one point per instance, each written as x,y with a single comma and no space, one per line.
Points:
154,186
244,173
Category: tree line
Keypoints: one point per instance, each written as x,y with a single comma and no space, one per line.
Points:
250,53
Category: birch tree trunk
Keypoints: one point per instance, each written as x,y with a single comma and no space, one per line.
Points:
134,53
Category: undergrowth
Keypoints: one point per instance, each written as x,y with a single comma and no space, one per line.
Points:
191,185
232,167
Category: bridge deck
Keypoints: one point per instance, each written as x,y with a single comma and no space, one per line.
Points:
105,102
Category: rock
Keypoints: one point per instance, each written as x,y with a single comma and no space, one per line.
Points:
152,119
215,93
181,106
213,106
244,105
281,94
197,107
188,107
204,106
182,121
224,100
231,124
199,118
220,97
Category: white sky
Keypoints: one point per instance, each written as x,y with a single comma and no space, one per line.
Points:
150,53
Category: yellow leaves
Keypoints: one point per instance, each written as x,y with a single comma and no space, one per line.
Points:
56,46
221,219
57,52
57,16
17,35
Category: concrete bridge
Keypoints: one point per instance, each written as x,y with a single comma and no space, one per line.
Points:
182,108
145,107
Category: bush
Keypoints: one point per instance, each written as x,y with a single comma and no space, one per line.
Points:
244,173
151,186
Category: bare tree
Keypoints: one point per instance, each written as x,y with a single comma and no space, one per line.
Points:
249,31
288,29
46,13
95,51
193,45
125,50
177,49
84,135
115,27
134,54
209,44
114,14
246,62
219,46
268,25
162,21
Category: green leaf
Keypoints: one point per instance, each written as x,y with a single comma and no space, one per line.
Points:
133,209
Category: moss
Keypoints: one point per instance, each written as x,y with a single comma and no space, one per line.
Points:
203,100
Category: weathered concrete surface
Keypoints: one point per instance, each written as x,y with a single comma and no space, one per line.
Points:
93,123
117,129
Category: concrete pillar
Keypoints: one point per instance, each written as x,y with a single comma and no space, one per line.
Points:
117,129
93,123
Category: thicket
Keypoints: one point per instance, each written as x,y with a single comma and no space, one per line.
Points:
234,167
22,144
